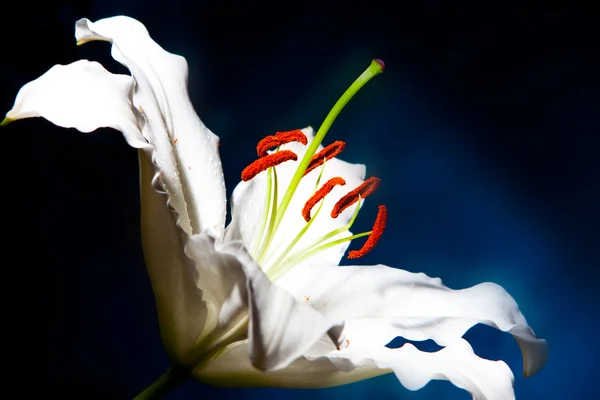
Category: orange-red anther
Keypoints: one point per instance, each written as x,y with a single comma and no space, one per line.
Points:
365,189
327,153
266,162
320,194
376,232
278,139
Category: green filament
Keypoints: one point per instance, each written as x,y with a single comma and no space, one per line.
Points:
373,70
274,212
259,237
300,255
270,231
293,242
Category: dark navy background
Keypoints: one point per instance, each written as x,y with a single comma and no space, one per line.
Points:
483,129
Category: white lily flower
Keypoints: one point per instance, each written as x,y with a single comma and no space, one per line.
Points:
263,302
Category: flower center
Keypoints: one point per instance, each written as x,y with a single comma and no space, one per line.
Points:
268,253
264,251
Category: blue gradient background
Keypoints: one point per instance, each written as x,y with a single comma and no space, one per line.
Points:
483,129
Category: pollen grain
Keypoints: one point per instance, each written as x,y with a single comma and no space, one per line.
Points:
327,153
320,194
376,232
267,162
279,139
365,189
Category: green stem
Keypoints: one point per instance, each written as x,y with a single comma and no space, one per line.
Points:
167,381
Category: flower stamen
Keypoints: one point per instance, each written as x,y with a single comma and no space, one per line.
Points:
279,139
362,191
327,153
320,194
293,242
269,235
259,238
376,232
316,246
266,162
374,69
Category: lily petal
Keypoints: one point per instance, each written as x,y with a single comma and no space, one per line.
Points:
233,369
457,363
81,95
280,328
380,303
186,150
180,303
248,206
484,379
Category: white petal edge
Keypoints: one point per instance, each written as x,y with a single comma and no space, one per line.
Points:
380,303
233,369
457,363
186,150
484,379
81,95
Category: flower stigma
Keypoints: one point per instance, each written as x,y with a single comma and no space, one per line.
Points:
265,250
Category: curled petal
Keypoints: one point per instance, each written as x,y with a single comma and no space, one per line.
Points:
380,303
186,150
457,363
81,95
484,379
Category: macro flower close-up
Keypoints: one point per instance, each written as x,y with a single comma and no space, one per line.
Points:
263,300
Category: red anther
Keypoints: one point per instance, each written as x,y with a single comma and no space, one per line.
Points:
376,232
266,162
320,194
365,189
327,153
278,139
